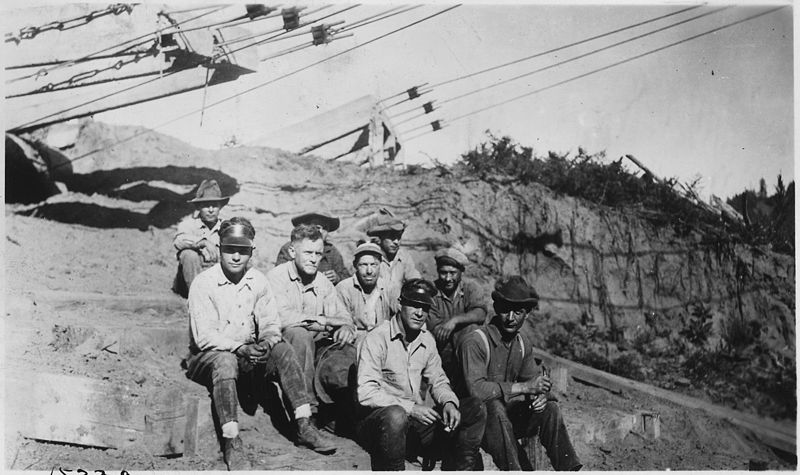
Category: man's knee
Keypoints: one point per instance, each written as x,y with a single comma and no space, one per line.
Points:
298,335
394,420
225,366
189,256
551,410
473,410
282,352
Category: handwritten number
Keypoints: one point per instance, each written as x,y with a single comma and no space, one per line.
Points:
62,471
82,471
101,472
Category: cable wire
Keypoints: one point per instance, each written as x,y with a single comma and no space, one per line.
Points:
258,86
365,23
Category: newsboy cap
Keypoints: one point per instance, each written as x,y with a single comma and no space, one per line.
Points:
368,248
451,257
386,224
514,290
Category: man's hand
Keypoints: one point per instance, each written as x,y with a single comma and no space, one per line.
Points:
250,352
331,275
538,403
443,331
208,250
424,414
451,416
541,384
344,335
312,325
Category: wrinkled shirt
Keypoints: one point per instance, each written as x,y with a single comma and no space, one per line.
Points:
191,230
354,300
506,364
297,302
400,269
467,296
224,315
391,372
331,260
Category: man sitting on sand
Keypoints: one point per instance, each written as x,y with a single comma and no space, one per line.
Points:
197,237
331,265
234,329
499,368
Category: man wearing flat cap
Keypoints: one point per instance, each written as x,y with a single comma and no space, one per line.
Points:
197,236
398,266
500,369
458,307
331,265
393,361
308,306
235,330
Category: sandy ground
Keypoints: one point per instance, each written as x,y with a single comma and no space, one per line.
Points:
48,332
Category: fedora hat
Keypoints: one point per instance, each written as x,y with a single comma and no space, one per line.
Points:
328,222
209,191
514,290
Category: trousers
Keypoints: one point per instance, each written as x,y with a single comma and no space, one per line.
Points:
390,435
304,344
191,263
506,423
219,370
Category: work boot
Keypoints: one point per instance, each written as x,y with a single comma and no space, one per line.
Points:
233,454
309,436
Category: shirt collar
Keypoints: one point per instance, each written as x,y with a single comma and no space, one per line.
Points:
214,229
222,279
496,338
378,285
295,276
397,331
459,291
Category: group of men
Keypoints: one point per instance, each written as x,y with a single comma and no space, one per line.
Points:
423,368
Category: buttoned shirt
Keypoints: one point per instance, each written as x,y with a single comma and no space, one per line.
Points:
400,269
355,301
224,315
467,296
390,371
297,302
331,260
506,364
191,230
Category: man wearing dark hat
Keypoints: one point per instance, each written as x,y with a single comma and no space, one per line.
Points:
458,308
235,330
308,306
197,237
398,266
393,360
499,368
331,265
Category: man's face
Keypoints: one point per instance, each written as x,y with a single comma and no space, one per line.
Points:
413,316
390,242
511,318
368,270
234,258
449,277
307,254
209,211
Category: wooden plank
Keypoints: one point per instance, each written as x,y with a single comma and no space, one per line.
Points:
778,435
191,433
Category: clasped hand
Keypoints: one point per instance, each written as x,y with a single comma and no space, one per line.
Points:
253,352
450,418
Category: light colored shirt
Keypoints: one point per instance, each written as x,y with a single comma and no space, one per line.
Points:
390,372
298,302
192,230
400,269
357,302
224,315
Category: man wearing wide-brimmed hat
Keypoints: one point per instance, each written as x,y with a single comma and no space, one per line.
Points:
398,265
459,306
197,236
500,369
331,265
394,421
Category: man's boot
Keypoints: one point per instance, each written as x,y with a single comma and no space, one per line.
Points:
309,436
233,454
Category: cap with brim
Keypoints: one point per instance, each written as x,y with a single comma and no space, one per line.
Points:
235,235
369,248
328,222
417,291
451,257
514,290
386,224
209,191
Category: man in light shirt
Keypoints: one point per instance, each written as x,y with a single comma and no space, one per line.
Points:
234,329
397,266
393,360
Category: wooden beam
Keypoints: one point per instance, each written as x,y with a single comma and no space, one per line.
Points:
778,435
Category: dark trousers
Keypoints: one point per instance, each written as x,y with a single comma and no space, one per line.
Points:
219,370
505,424
390,435
304,344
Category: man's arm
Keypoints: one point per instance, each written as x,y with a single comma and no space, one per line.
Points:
186,236
203,321
267,321
441,390
287,301
473,363
370,390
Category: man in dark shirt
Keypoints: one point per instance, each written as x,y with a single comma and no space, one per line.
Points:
499,368
331,265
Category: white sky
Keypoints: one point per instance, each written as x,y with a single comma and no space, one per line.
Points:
720,106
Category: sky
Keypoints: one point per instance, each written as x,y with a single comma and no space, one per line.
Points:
718,108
